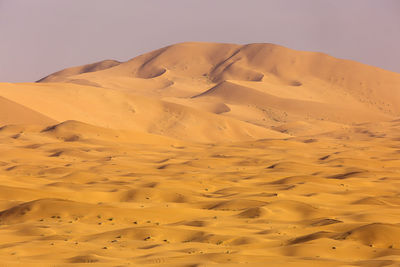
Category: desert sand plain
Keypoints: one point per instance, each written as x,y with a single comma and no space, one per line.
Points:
203,154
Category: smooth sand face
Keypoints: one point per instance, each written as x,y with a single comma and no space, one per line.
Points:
199,155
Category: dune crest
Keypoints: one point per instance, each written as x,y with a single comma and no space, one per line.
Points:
62,74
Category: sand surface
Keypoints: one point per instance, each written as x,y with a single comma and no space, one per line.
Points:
203,154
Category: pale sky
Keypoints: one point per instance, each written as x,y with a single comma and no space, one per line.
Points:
38,37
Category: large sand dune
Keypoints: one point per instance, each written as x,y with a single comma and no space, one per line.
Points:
202,154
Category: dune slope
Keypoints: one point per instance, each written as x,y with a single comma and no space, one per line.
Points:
14,113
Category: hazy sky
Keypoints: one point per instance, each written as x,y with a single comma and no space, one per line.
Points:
38,37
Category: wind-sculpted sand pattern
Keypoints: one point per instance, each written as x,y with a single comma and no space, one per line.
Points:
70,198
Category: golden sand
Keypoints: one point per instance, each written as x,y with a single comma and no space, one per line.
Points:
203,154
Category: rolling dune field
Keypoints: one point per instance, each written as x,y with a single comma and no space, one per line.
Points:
203,154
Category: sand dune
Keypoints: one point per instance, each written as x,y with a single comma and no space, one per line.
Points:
202,154
296,85
119,110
